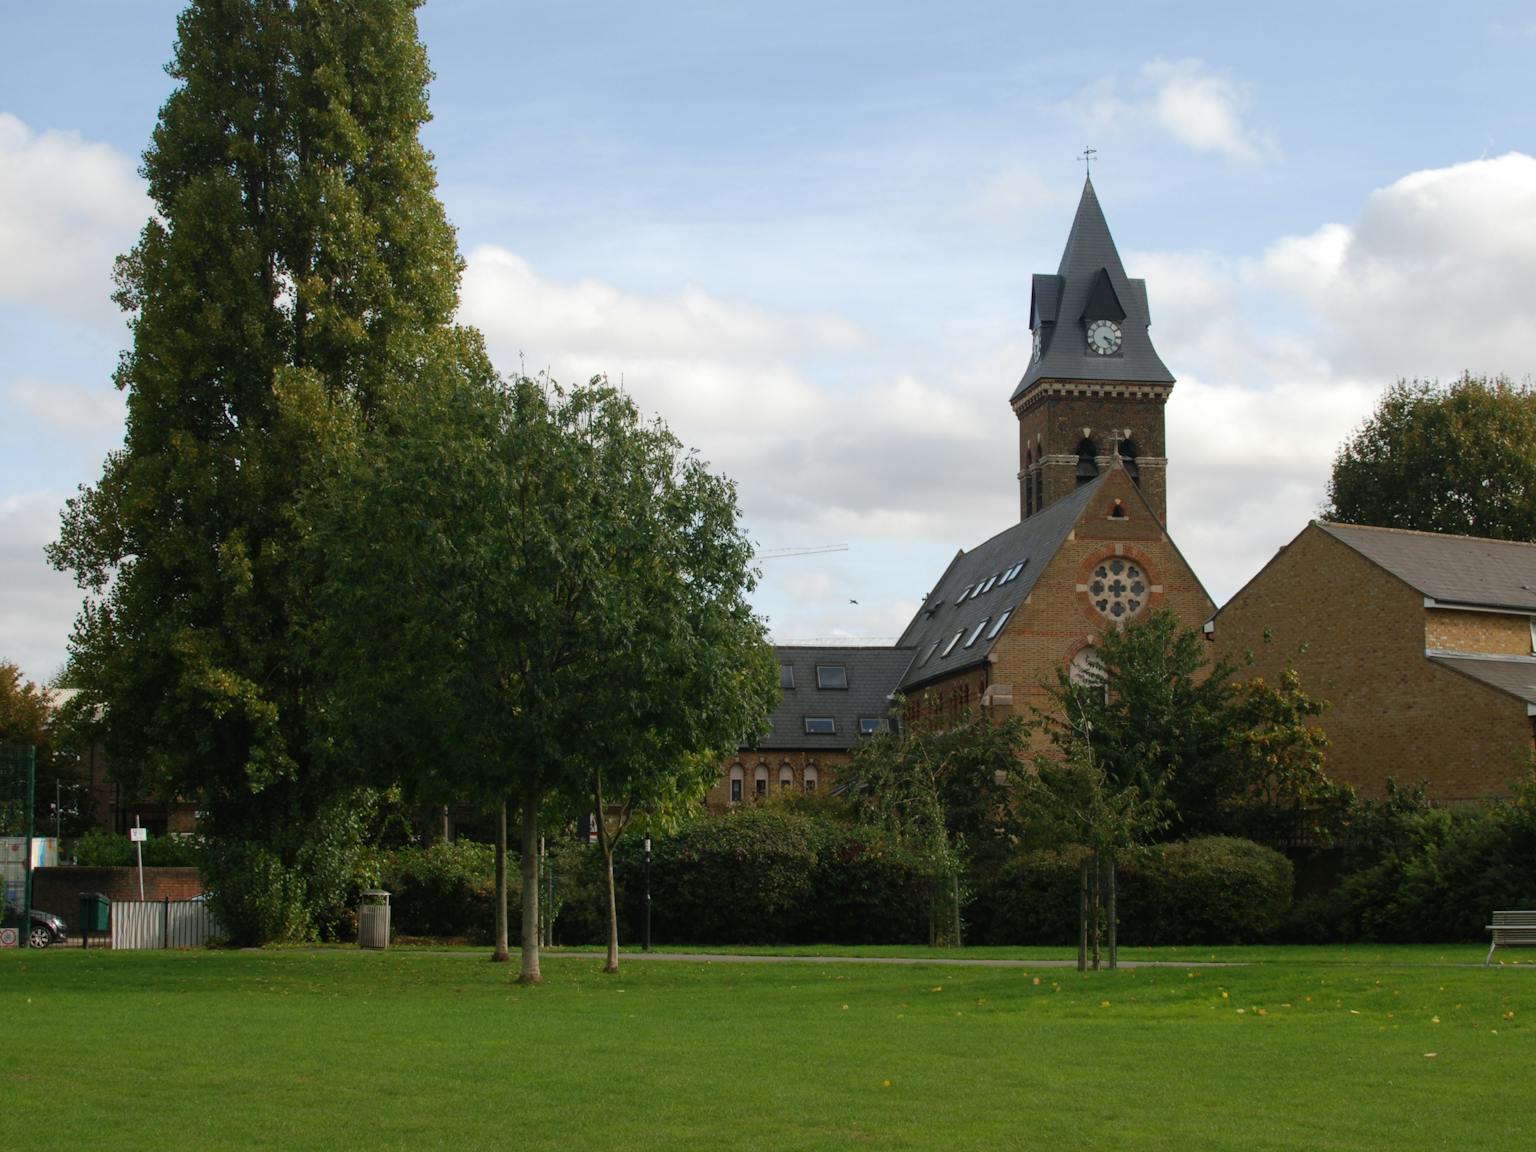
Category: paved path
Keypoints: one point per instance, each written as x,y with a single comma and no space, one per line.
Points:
956,962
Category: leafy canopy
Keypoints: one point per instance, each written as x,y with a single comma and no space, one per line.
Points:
1459,459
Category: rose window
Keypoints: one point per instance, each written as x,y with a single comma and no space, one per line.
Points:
1118,588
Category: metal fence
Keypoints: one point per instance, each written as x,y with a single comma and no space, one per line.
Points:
162,924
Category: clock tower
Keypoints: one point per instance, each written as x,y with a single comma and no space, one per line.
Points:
1093,395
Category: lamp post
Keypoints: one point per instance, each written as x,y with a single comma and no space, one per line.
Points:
647,894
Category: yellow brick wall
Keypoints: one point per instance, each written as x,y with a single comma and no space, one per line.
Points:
825,763
1491,632
1356,636
1058,619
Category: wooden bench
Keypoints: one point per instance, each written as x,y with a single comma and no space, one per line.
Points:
1511,930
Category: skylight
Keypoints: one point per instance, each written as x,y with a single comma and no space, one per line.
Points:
975,632
998,627
820,726
987,587
928,655
960,599
831,676
869,725
786,675
953,640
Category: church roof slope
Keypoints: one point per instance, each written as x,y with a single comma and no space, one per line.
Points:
1061,302
1456,570
869,676
961,619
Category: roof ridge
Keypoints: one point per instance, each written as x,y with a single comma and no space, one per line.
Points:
1326,525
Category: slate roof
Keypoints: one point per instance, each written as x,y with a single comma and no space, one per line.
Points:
1455,570
1513,674
1032,542
872,677
1058,302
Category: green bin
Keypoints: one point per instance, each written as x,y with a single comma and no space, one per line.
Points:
95,909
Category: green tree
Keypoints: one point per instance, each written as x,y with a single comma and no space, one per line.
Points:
944,795
31,715
551,603
1154,712
297,269
1457,459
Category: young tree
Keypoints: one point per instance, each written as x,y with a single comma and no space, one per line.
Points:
1458,459
947,795
28,716
553,602
1155,714
297,270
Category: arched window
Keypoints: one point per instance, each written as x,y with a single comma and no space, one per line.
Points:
738,778
760,780
1087,461
810,779
786,778
1128,453
1086,672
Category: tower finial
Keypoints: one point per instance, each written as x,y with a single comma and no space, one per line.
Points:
1088,155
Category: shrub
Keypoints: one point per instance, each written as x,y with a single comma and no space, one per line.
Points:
1212,890
448,890
98,849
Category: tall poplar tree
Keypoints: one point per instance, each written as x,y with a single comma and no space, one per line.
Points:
297,271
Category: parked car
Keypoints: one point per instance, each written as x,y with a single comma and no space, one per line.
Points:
46,927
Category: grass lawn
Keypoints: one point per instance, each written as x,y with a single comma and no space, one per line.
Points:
1303,1049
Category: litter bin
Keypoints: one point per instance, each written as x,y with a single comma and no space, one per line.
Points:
95,916
373,920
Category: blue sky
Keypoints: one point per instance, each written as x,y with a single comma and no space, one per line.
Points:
803,233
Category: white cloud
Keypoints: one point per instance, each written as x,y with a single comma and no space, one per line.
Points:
1434,277
38,603
1202,109
67,409
1199,107
68,207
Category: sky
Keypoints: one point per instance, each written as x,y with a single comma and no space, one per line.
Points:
803,235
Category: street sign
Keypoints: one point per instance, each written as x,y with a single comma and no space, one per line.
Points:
138,835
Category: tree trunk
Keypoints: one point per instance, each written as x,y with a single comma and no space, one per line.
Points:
613,910
530,973
501,955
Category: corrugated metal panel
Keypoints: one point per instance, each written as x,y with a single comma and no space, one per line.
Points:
162,924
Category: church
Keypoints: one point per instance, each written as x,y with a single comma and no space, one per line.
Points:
1091,547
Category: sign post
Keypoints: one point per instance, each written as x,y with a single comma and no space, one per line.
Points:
138,835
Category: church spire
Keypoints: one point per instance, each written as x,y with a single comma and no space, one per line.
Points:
1094,390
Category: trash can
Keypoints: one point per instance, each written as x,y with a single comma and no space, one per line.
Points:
95,916
373,920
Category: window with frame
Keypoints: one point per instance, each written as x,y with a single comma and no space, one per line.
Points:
831,676
870,725
953,640
810,780
976,632
738,778
820,726
760,780
786,675
998,627
786,778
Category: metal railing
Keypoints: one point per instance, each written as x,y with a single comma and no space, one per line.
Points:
162,924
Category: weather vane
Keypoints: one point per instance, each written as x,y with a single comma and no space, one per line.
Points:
1088,155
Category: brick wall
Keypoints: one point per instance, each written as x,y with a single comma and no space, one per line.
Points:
796,760
1490,632
1058,618
1356,636
57,890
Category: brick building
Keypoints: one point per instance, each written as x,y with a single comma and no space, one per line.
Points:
1422,644
1091,549
830,700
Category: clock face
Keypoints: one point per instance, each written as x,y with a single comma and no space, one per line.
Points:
1038,343
1104,337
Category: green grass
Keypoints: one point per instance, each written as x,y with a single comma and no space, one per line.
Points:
297,1049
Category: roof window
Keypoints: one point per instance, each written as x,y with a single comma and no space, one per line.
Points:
998,627
870,725
987,587
820,726
786,675
831,676
960,599
953,640
934,647
975,632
